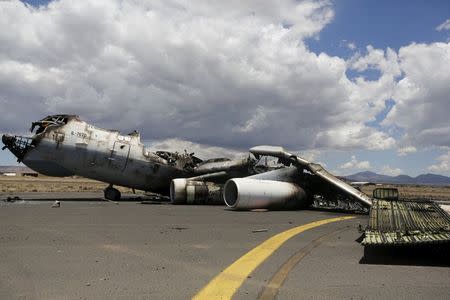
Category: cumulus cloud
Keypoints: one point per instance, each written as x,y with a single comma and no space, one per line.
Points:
229,74
421,96
387,170
378,59
442,165
406,150
444,26
256,121
355,164
311,155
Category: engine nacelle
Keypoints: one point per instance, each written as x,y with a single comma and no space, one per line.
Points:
246,194
185,191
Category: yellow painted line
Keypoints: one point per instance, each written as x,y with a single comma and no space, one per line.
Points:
225,285
271,290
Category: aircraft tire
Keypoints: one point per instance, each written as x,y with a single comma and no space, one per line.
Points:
112,194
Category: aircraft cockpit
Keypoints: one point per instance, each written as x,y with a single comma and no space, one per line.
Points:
53,120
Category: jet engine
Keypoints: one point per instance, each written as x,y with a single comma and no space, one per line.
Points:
246,194
185,191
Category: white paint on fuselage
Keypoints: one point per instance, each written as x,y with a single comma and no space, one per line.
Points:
104,155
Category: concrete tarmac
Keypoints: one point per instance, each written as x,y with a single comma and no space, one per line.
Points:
100,250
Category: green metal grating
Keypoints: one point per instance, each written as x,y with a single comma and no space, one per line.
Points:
406,223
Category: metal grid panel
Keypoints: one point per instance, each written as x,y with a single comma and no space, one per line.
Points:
406,222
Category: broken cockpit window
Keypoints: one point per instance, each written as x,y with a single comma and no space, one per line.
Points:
18,145
54,120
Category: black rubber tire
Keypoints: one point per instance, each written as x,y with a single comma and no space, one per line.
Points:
112,194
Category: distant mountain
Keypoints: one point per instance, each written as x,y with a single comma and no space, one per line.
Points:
424,179
368,176
433,179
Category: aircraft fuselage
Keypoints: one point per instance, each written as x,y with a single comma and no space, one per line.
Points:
70,146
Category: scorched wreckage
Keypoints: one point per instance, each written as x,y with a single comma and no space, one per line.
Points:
64,145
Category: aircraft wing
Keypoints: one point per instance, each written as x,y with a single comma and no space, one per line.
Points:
316,169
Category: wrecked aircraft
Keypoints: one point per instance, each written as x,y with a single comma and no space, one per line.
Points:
64,145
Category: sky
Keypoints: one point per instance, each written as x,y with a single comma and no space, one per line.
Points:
355,85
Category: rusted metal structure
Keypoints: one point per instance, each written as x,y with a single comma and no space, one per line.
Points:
397,222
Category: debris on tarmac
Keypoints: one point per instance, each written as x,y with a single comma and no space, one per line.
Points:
260,230
56,204
178,228
12,199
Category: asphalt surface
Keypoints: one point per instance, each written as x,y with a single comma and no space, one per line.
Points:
100,250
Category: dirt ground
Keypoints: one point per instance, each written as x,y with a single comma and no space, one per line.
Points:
77,184
411,192
52,184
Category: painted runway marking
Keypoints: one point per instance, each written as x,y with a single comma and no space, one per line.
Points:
271,289
225,285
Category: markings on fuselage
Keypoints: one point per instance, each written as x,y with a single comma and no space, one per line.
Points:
225,285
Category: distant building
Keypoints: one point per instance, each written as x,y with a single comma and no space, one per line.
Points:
17,171
9,174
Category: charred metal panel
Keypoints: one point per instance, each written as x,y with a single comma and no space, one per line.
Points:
185,191
184,161
51,121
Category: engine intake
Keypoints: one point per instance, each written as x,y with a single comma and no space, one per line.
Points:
247,194
185,191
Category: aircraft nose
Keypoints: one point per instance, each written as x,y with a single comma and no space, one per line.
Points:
18,145
8,140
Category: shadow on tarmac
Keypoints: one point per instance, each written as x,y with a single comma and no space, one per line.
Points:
432,255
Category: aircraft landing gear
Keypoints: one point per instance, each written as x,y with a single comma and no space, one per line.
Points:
112,193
